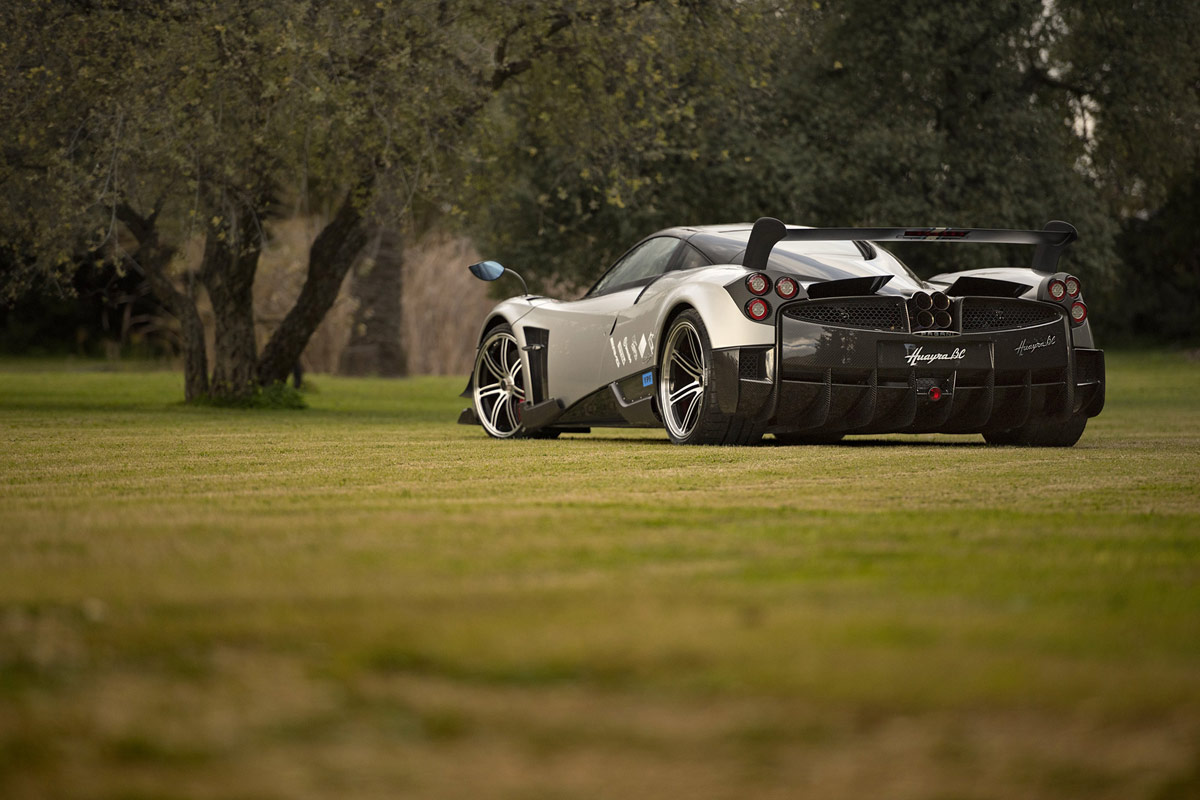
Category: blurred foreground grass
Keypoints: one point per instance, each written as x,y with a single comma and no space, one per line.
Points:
364,599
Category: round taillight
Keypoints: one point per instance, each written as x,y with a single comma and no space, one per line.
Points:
1078,311
1072,286
1057,289
758,309
922,301
758,284
940,301
786,288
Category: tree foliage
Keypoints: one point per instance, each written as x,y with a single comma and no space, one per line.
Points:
876,113
558,133
143,125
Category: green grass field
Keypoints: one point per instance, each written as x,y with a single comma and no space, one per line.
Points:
364,599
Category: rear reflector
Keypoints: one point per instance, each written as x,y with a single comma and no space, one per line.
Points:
758,309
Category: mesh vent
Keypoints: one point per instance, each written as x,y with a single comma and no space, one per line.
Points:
996,315
872,313
751,365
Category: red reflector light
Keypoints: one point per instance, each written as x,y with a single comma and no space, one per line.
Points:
1057,289
758,283
935,394
1073,286
786,288
758,309
1078,311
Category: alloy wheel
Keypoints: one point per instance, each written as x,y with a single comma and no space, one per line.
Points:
683,380
499,385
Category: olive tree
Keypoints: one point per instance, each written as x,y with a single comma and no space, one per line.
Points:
136,127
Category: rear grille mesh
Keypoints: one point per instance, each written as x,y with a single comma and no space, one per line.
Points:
996,315
872,313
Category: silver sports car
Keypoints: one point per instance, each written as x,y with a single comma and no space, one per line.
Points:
723,333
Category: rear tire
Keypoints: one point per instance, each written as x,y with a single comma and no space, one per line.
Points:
687,393
1041,434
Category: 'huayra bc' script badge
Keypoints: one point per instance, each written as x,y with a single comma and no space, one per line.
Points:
916,355
1028,347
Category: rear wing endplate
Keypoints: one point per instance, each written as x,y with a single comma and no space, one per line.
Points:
1050,242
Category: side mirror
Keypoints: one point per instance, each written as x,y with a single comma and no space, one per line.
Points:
487,270
491,270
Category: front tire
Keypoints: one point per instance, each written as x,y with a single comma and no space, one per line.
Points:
1041,434
687,389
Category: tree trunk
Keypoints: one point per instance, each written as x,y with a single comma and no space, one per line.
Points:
195,357
332,254
227,271
152,258
376,346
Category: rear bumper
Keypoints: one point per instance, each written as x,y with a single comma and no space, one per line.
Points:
843,380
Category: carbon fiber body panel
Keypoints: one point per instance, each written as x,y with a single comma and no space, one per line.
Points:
851,379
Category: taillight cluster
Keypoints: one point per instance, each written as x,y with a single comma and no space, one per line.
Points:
930,311
760,285
1066,290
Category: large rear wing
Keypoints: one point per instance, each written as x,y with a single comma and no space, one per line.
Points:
1050,242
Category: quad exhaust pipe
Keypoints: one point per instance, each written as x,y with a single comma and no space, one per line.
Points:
930,310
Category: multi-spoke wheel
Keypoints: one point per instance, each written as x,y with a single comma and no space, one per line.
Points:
686,393
684,374
499,382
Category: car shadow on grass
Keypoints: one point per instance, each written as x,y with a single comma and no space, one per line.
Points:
775,443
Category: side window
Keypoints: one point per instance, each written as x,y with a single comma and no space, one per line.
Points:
647,261
690,258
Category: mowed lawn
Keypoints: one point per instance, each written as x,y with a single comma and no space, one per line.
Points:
364,599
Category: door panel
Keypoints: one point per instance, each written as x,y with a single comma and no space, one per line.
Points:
634,341
579,339
583,355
